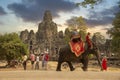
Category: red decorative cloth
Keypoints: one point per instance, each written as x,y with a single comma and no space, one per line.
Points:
77,48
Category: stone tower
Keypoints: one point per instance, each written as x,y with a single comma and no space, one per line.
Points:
24,36
47,33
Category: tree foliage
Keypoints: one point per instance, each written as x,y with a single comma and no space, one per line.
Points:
67,35
79,24
99,40
91,3
115,34
11,47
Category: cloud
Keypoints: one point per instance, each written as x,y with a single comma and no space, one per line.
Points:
103,17
32,10
2,11
1,23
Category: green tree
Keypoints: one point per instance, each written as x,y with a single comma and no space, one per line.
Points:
11,47
99,40
79,24
90,3
115,34
67,35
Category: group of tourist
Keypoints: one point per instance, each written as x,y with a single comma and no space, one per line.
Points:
35,60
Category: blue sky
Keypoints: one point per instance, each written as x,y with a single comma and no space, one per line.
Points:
17,15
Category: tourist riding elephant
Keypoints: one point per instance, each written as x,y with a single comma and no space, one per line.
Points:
66,55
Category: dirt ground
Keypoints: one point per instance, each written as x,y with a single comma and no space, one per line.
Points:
52,67
93,73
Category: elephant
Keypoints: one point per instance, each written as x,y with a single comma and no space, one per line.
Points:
66,55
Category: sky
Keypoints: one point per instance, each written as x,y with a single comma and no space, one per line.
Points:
18,15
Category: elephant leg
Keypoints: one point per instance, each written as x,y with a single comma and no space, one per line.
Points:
70,66
99,61
85,63
59,66
84,68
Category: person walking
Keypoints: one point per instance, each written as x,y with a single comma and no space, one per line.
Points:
37,62
104,63
46,58
43,60
25,61
32,58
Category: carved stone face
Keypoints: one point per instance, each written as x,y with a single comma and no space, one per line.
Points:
47,16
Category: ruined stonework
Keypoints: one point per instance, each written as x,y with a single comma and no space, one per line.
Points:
47,29
47,33
31,35
24,36
46,37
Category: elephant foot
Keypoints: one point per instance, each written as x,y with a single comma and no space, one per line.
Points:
72,69
58,70
84,69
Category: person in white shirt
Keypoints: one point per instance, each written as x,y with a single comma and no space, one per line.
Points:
37,62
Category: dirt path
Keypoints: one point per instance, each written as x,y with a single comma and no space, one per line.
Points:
52,67
54,75
93,73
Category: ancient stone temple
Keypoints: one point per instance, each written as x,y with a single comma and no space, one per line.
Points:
47,33
24,36
46,38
